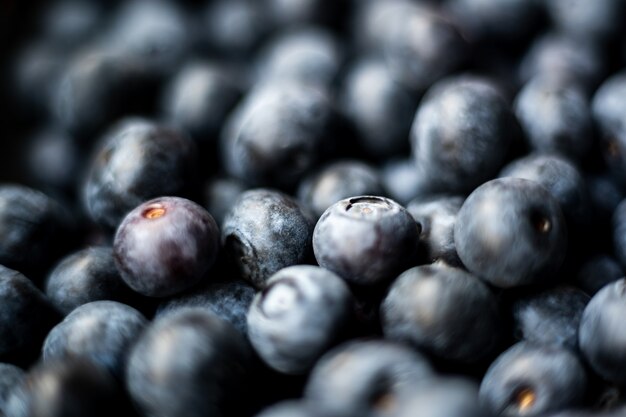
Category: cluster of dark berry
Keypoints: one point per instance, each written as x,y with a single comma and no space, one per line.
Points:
313,208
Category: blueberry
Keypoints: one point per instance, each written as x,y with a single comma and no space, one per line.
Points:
366,227
421,302
435,217
187,364
559,176
556,55
165,246
265,231
300,313
10,377
579,19
155,32
511,232
597,272
199,98
380,109
36,230
276,134
608,112
102,331
230,300
87,275
601,336
556,117
336,181
94,90
462,132
137,160
307,54
607,104
364,377
550,317
26,318
233,28
419,42
441,397
74,387
529,380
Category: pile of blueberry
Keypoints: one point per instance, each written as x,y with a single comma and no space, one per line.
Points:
313,208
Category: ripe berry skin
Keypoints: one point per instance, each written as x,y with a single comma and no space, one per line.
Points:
27,317
34,228
299,314
87,275
199,98
365,227
73,387
462,132
277,133
188,364
511,232
355,378
378,107
556,117
601,335
419,306
102,331
265,231
230,300
559,176
165,246
136,161
533,380
550,317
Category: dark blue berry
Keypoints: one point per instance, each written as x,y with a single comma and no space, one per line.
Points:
34,228
264,232
84,276
230,300
300,313
136,161
462,132
190,363
366,227
27,317
420,307
511,232
601,335
362,377
277,133
549,317
73,387
165,246
529,379
102,331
